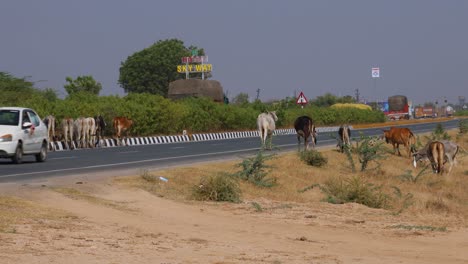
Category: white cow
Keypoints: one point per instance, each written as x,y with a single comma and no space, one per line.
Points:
67,128
80,128
266,127
91,132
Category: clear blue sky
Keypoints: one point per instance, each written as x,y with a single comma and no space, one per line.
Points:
280,47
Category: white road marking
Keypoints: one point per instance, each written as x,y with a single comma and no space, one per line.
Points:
70,157
124,163
125,152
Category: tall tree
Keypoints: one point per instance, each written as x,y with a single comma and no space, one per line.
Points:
152,69
82,84
241,98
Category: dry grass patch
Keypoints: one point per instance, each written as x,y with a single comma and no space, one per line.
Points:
79,195
15,211
434,200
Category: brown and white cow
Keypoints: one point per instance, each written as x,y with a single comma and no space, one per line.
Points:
344,140
67,130
121,124
435,152
305,128
400,135
49,121
450,149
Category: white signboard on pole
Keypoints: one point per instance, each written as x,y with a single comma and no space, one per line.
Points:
375,72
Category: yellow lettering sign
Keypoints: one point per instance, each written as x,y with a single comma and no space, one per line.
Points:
194,68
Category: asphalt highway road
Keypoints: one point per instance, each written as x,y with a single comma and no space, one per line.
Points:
131,159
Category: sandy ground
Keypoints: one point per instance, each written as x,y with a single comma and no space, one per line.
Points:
144,228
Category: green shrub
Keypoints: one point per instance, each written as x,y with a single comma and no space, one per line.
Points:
408,176
368,149
313,158
438,133
463,126
255,170
354,190
219,188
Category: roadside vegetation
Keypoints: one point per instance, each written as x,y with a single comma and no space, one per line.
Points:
392,184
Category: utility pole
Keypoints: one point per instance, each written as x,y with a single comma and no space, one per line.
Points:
258,93
357,95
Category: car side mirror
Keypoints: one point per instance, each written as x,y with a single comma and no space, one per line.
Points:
27,125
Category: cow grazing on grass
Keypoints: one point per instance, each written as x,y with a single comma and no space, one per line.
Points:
435,152
450,150
67,130
344,140
49,121
400,135
305,128
266,126
121,125
100,128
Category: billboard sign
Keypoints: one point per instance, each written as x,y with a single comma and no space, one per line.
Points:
375,72
195,59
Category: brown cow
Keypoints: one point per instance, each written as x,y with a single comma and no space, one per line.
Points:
400,135
121,124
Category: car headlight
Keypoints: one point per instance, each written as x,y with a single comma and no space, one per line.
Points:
6,138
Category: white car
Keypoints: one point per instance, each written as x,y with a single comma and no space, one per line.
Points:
22,133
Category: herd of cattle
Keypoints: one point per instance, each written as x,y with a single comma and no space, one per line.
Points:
85,132
88,132
436,152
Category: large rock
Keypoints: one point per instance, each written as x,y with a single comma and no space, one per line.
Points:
196,88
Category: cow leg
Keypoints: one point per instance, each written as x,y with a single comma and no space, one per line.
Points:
298,142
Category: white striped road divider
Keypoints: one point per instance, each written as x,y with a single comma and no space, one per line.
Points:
135,141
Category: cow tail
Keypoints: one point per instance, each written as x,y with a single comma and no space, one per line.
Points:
440,161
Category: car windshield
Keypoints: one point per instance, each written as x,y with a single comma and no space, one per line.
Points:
9,117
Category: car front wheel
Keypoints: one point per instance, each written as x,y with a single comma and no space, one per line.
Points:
42,156
18,156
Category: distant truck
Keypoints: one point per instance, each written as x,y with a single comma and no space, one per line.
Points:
398,108
424,112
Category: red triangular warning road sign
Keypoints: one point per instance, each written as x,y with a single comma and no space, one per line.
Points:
301,99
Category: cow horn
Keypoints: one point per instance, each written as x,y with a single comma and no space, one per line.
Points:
414,161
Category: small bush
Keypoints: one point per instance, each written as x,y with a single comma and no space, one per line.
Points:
147,176
255,170
438,134
405,201
313,158
354,190
219,188
438,205
368,149
408,176
463,126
